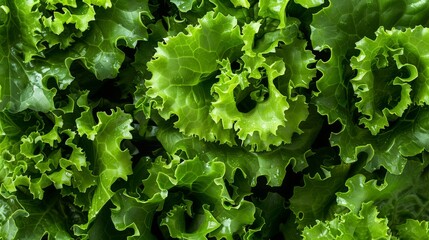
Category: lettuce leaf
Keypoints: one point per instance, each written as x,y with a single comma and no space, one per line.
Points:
28,66
214,98
339,84
363,225
240,119
413,229
408,73
183,62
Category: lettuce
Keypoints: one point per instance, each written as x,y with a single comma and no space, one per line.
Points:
240,119
188,64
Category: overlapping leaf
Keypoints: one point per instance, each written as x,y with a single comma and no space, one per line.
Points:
182,70
388,69
253,165
193,198
221,139
42,219
110,162
309,207
189,90
363,225
398,197
27,66
336,29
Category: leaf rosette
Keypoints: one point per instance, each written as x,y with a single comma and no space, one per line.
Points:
373,80
188,199
244,87
392,75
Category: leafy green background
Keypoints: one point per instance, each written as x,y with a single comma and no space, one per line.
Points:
241,119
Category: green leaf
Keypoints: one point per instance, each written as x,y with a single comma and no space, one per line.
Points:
273,211
183,5
389,150
26,163
264,125
274,9
10,212
122,22
232,8
271,164
181,75
24,85
20,29
213,103
62,26
413,229
197,189
27,66
110,161
130,212
176,223
309,3
160,180
394,188
86,124
241,3
335,31
234,220
258,127
43,218
10,125
388,69
362,225
309,207
103,228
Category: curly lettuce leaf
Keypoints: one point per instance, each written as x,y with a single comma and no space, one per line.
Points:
206,179
131,212
36,219
110,162
59,22
223,106
45,154
25,166
181,72
365,224
176,223
271,165
335,31
194,199
28,68
42,151
120,24
25,84
259,126
308,207
391,75
275,10
235,220
242,168
103,227
413,229
264,126
309,3
10,212
362,225
398,197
